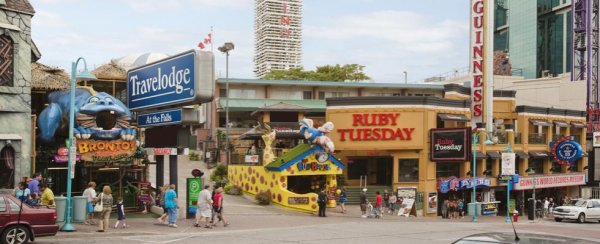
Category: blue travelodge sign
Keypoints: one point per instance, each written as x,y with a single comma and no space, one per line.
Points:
186,78
166,117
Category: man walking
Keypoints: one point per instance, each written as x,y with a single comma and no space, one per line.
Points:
546,205
33,186
171,206
204,208
363,202
322,200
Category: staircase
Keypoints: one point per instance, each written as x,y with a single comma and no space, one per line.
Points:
353,193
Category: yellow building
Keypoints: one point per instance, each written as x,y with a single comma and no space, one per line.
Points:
386,142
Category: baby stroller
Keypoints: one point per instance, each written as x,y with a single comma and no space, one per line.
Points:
372,212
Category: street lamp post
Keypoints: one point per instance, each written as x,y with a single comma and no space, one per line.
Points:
509,179
228,46
85,75
405,77
474,176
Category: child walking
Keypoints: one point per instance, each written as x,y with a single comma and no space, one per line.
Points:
120,214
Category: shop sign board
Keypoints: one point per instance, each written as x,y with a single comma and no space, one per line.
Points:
251,159
194,186
565,151
477,61
432,202
64,158
166,117
407,196
368,127
527,183
596,139
106,151
453,183
164,151
508,163
63,151
450,144
297,200
182,79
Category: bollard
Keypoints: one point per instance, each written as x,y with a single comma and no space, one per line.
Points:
516,216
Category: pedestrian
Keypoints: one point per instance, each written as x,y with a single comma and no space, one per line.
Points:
546,205
204,207
90,195
163,218
171,206
363,202
120,214
378,204
218,207
47,198
386,200
106,200
322,201
393,200
343,199
34,184
22,192
461,208
445,209
550,206
212,210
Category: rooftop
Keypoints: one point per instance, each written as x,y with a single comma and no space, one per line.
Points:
330,84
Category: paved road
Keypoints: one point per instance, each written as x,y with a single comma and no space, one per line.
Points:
251,223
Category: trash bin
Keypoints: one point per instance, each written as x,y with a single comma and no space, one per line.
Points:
474,207
79,208
61,205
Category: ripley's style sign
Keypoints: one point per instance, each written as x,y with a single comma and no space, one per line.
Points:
453,183
186,78
450,144
370,127
106,151
566,151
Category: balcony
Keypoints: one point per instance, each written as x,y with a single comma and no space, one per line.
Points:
518,138
537,138
502,137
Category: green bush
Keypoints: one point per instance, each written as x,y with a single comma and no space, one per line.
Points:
233,190
194,156
219,175
263,197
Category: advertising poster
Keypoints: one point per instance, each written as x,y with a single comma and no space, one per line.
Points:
450,144
508,164
406,200
194,186
432,201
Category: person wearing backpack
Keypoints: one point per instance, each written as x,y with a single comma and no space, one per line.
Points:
322,201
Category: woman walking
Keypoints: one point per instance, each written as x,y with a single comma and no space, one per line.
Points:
343,198
163,218
393,200
218,207
171,205
90,194
106,200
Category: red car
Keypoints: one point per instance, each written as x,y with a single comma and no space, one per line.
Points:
34,222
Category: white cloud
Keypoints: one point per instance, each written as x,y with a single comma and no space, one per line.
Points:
151,6
45,19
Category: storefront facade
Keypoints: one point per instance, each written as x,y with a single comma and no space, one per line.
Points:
389,141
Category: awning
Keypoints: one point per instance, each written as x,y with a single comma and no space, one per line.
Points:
480,155
561,124
578,125
522,154
454,117
494,155
539,154
540,122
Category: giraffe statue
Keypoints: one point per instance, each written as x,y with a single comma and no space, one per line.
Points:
268,137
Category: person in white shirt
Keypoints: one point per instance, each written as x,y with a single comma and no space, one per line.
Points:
90,194
204,207
546,205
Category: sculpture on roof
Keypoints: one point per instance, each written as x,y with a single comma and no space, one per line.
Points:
268,137
317,135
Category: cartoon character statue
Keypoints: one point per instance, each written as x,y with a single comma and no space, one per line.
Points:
317,135
268,137
97,115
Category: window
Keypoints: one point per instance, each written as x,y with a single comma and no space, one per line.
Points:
14,207
336,94
287,94
537,165
321,95
488,166
307,95
2,205
222,92
242,93
409,170
357,168
6,61
444,170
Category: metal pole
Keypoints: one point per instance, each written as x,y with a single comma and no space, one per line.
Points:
508,182
228,150
474,176
534,200
405,77
68,226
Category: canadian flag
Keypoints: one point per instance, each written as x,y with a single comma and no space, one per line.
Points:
207,40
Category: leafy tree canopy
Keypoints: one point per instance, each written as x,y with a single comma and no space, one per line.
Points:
340,73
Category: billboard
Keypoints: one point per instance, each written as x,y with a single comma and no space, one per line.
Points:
450,144
182,79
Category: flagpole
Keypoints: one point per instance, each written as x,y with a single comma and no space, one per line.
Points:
211,39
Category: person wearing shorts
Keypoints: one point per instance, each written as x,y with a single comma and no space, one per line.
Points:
90,194
363,202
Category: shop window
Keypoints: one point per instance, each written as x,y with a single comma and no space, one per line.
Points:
6,61
357,168
307,95
536,166
444,170
409,170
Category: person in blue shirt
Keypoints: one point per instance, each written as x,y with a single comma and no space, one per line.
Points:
22,192
343,198
171,205
33,185
120,214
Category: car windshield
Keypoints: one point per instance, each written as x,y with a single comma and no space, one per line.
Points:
581,203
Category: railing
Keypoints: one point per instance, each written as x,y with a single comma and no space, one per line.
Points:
518,138
537,138
502,137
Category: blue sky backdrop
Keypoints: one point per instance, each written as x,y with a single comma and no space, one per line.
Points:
423,37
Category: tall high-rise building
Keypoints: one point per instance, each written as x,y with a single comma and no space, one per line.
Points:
278,35
536,34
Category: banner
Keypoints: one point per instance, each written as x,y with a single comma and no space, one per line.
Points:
406,198
527,183
432,201
508,164
453,183
450,144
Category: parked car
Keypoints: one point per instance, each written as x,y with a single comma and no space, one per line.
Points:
583,210
505,238
33,222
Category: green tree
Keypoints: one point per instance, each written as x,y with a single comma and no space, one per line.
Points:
340,73
219,175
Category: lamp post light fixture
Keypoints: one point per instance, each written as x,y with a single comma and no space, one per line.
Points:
474,169
405,77
84,75
509,179
228,46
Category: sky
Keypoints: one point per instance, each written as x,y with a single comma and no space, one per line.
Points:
422,37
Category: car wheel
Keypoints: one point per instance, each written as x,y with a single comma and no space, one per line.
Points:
16,235
558,219
581,218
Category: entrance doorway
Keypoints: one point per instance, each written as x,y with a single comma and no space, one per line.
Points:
377,169
7,167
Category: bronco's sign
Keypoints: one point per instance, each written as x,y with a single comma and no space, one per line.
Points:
106,151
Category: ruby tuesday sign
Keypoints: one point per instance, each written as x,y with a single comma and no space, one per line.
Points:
376,127
450,144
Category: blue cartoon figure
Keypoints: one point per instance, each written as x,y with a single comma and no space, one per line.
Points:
97,116
317,135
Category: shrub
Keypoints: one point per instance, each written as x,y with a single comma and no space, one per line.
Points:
194,156
233,190
219,175
263,197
